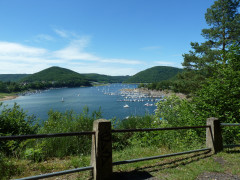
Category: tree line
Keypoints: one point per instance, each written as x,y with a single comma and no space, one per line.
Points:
14,87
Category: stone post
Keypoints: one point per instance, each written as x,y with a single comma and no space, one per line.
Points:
214,135
101,155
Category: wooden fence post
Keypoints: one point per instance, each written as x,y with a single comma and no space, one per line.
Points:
101,155
214,135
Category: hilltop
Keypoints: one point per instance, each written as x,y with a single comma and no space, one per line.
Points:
154,74
53,74
58,76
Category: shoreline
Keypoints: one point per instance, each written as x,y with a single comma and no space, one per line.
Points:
5,98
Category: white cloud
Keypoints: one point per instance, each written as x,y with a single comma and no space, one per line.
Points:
18,58
21,68
18,53
75,51
14,49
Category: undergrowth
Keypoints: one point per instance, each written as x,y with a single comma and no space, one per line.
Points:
76,151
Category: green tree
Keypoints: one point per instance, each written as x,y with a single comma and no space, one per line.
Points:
219,96
224,21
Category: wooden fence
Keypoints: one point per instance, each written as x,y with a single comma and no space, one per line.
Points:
101,154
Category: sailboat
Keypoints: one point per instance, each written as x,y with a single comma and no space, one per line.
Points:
62,99
126,106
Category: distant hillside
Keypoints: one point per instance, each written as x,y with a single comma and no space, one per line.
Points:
154,74
57,75
105,79
12,77
61,74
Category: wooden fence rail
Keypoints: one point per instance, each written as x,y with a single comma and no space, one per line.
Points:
101,154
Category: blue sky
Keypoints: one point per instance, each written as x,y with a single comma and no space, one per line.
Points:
113,37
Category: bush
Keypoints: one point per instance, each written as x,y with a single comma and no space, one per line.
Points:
14,121
121,140
176,112
34,154
67,122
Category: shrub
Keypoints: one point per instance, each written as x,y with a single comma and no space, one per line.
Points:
67,122
7,168
14,121
176,112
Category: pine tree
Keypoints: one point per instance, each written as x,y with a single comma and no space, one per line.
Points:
224,21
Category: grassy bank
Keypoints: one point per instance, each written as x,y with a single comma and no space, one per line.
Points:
192,166
7,96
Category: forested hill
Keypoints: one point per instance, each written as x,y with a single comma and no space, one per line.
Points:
12,77
57,75
47,76
105,78
154,74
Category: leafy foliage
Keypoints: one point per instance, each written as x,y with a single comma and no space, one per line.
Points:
219,97
14,121
201,58
224,19
62,123
122,140
176,112
187,82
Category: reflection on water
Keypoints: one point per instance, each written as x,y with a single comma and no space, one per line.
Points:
109,98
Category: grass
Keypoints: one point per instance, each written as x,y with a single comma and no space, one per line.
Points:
30,168
180,167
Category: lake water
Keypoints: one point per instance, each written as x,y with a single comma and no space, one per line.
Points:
109,98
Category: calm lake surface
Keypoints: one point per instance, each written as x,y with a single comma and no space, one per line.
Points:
109,98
